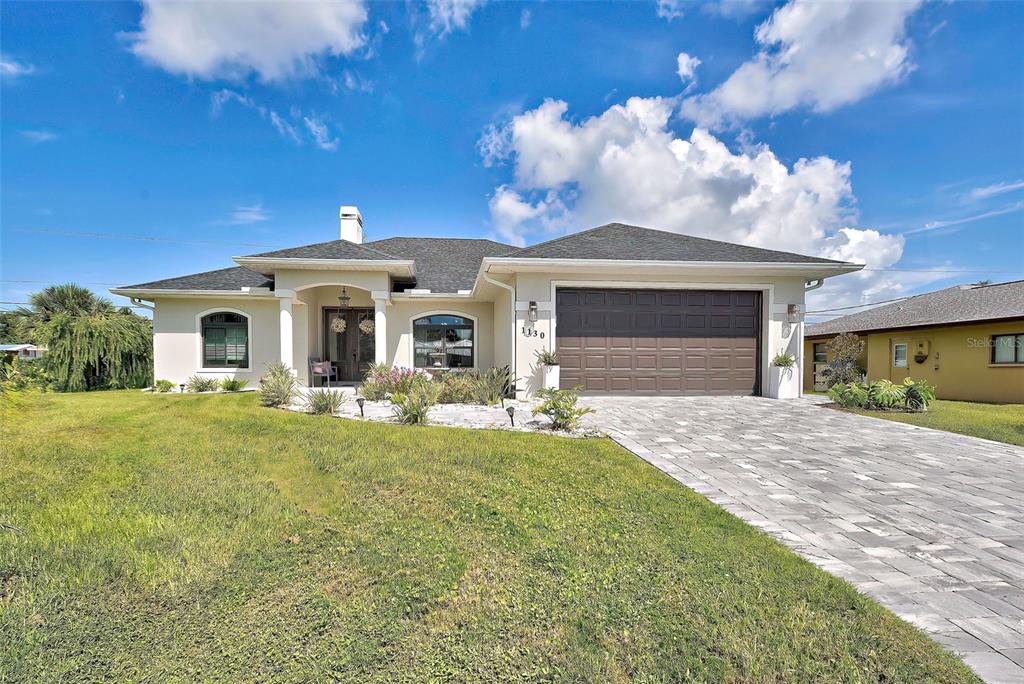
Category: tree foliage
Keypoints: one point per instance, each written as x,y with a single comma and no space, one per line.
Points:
844,352
91,344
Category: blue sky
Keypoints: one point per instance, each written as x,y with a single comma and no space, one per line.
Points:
223,133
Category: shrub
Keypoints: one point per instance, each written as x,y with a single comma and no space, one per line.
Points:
784,360
918,394
455,387
491,386
883,395
383,381
26,374
163,386
546,357
560,406
278,386
845,351
413,408
197,383
233,384
323,402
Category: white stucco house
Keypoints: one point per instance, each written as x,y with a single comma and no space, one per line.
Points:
628,310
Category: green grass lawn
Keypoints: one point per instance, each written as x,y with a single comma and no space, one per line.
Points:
999,422
157,538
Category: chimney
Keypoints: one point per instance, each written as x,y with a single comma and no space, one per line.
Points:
351,224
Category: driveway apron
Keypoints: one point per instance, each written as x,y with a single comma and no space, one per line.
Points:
929,523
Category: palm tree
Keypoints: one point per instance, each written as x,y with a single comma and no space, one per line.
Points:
91,344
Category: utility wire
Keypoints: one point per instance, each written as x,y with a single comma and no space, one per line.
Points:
860,306
143,238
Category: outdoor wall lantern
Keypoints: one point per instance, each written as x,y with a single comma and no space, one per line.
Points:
360,400
511,414
344,299
795,313
533,312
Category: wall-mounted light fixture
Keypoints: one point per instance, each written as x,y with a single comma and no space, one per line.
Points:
795,313
532,314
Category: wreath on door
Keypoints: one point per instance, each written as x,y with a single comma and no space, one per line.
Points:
338,325
366,326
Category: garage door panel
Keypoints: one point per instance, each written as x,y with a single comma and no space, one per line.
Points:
651,341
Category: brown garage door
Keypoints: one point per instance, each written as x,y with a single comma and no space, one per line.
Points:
659,341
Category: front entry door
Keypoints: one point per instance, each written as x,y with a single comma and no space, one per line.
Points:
349,341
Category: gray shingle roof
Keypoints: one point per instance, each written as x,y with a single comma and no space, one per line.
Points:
451,264
222,279
623,241
332,249
959,304
443,264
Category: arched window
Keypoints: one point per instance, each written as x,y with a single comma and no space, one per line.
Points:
443,341
225,340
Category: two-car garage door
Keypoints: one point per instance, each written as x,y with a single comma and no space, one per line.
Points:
692,342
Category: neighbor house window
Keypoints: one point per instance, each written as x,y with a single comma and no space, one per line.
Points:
899,355
225,340
1008,349
820,355
443,341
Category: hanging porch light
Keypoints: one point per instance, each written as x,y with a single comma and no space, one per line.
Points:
344,299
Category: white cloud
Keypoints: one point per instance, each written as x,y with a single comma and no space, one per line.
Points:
995,189
289,126
355,82
450,15
284,128
12,69
254,213
276,40
670,9
734,9
39,135
686,67
524,19
321,133
821,55
627,165
935,225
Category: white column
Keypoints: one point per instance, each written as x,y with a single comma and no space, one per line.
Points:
380,326
287,344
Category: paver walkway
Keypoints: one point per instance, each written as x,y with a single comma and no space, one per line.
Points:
929,523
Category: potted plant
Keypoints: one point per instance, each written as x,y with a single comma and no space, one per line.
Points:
548,362
784,384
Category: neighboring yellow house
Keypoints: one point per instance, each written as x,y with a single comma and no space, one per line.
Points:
966,340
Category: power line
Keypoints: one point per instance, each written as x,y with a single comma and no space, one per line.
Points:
935,270
143,238
47,282
859,306
130,306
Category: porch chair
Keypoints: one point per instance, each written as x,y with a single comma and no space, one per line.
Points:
322,369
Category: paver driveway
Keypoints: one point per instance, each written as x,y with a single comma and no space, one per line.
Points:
929,523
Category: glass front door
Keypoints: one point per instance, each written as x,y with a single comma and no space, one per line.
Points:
349,341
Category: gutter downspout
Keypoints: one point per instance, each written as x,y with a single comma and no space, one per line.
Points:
512,306
809,285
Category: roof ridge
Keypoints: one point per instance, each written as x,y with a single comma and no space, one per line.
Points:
358,245
437,237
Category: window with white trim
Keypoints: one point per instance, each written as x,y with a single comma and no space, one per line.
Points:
899,355
443,341
1007,349
225,340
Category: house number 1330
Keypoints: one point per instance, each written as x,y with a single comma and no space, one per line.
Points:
532,332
